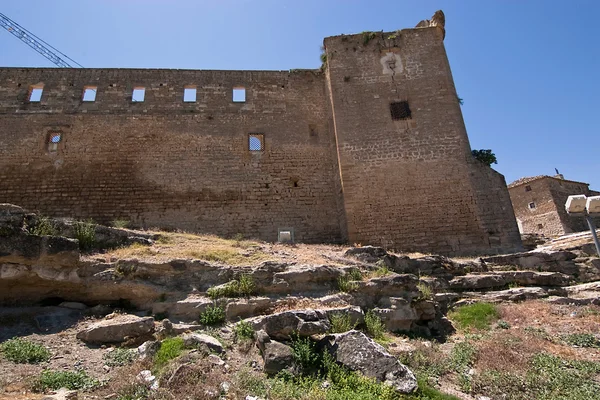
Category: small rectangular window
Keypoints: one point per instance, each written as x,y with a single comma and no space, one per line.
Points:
239,95
54,139
528,188
35,93
540,226
532,205
256,142
138,94
89,93
189,94
400,110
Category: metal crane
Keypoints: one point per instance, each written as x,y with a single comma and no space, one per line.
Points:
37,44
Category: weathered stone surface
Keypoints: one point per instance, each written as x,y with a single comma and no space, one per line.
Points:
304,278
148,349
167,328
400,315
358,352
398,285
304,322
245,308
357,316
188,309
531,259
516,294
73,305
536,278
117,329
201,339
276,356
366,254
482,281
62,394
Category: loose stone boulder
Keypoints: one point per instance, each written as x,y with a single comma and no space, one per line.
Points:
358,352
117,329
367,254
304,322
201,339
276,356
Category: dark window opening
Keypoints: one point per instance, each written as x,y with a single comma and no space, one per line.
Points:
400,110
256,142
312,129
528,188
540,226
532,205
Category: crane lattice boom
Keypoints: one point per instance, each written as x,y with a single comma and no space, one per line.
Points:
36,43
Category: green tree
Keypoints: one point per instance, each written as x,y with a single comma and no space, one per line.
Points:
485,156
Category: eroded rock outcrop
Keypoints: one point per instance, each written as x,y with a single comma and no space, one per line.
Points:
117,329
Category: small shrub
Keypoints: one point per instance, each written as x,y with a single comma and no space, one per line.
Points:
120,223
355,275
213,315
119,357
425,291
462,356
382,270
85,232
305,354
368,36
24,351
134,392
341,322
44,227
243,330
346,285
485,156
170,349
503,324
55,380
374,326
477,316
242,287
582,340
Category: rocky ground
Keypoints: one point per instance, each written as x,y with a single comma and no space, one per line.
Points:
241,319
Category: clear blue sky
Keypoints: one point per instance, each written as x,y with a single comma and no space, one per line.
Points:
528,71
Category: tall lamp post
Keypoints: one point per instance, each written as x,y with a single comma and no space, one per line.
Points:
588,207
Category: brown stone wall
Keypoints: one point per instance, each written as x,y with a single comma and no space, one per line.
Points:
410,184
166,163
549,216
335,166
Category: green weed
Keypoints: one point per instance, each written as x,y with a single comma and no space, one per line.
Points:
212,315
341,322
85,233
242,287
120,223
119,357
44,227
23,351
170,349
477,316
582,340
243,330
55,380
374,326
425,291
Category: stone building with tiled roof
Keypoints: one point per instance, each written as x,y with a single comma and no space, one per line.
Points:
539,204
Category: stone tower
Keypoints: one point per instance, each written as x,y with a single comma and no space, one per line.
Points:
408,178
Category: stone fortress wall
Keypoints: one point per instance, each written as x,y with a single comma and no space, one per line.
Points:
371,149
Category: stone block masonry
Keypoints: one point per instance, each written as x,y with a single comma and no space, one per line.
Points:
371,149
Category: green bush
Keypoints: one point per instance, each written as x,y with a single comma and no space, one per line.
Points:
242,287
478,315
341,322
382,270
119,357
85,233
213,315
24,351
44,227
582,340
425,291
120,223
243,330
503,324
55,380
462,356
374,326
134,392
306,357
169,349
